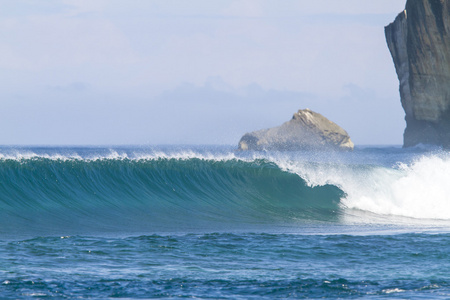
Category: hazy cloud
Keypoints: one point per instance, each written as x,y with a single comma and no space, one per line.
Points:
222,67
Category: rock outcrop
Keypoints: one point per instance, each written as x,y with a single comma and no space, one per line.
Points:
306,130
419,42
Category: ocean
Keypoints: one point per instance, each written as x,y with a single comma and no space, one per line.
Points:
209,222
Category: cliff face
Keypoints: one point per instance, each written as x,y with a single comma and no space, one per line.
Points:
306,130
419,42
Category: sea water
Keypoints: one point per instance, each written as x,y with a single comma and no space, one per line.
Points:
209,222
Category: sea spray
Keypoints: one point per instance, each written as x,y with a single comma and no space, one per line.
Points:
416,189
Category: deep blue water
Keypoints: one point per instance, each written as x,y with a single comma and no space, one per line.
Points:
209,222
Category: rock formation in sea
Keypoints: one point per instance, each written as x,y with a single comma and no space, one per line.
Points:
306,130
419,42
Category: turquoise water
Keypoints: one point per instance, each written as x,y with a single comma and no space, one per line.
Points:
209,222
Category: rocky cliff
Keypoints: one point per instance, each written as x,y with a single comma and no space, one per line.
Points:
306,130
419,42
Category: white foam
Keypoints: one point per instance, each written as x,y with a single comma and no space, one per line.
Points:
394,290
29,155
417,190
113,154
184,155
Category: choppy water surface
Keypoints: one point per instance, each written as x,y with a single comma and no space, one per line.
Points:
208,222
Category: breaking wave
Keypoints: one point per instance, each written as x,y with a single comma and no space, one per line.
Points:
186,190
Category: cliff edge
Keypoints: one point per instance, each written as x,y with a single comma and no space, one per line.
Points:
419,42
306,130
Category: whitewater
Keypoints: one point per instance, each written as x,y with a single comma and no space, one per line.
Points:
212,222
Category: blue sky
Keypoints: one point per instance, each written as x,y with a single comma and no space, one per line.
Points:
193,72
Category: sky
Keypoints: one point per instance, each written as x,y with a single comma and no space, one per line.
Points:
149,72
